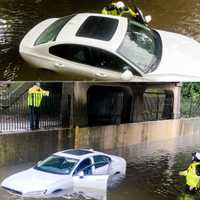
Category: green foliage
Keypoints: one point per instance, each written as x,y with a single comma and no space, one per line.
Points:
190,100
191,90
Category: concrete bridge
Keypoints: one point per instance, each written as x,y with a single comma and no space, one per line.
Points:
92,104
128,102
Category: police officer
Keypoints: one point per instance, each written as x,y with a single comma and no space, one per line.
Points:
118,9
192,174
35,95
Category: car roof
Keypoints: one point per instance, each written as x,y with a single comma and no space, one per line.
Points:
78,153
75,31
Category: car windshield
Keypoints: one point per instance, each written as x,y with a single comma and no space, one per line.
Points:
57,165
51,32
141,46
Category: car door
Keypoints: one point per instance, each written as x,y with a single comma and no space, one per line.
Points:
72,59
102,164
110,66
85,166
88,183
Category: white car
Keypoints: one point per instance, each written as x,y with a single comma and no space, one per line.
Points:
103,47
73,169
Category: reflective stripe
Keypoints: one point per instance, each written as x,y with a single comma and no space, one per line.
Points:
35,95
110,12
35,99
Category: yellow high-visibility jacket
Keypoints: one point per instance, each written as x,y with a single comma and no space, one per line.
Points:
35,95
116,12
192,178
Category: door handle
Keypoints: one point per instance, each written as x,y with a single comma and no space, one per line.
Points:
100,74
59,65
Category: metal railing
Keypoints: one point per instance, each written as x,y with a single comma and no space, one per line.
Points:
15,113
190,107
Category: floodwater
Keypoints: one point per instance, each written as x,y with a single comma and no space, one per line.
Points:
152,171
18,16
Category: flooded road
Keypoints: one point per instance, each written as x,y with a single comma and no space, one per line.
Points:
18,16
152,170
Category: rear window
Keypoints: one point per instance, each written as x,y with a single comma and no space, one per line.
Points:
51,33
97,27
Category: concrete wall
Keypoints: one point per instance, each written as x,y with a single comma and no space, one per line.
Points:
144,133
32,146
132,140
67,104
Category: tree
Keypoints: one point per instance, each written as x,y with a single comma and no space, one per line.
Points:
191,90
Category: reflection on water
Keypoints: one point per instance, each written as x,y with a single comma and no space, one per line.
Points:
18,16
152,171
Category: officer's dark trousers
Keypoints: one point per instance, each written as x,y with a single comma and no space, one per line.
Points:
34,117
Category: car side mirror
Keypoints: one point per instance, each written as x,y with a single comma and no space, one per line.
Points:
148,18
81,174
127,75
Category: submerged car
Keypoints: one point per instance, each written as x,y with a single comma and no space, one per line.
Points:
65,171
92,46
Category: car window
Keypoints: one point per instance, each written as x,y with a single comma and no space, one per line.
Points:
84,165
109,61
76,53
52,31
101,160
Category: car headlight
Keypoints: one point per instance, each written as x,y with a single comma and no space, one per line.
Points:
36,193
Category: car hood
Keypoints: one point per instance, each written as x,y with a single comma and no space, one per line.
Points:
31,180
180,57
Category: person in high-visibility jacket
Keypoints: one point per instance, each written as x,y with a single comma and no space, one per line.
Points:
118,9
35,95
192,174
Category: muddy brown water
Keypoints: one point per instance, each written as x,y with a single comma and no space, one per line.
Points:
18,16
152,171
